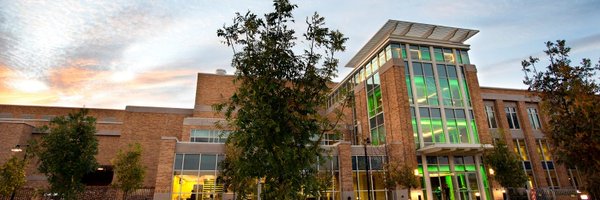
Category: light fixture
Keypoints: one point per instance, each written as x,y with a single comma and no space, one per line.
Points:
100,169
491,171
503,191
17,148
416,172
578,192
477,194
584,196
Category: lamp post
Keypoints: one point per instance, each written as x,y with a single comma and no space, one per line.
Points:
367,163
17,149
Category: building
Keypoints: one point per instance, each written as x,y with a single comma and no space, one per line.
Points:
416,97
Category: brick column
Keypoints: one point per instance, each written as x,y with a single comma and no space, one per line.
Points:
345,159
477,103
164,173
504,129
534,157
398,127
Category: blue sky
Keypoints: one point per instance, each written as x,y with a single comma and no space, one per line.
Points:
110,54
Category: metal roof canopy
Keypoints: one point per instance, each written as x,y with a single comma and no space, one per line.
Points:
411,31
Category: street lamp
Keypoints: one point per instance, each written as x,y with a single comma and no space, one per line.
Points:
17,148
367,163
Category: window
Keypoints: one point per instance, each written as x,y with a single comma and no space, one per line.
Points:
375,110
208,136
420,52
534,118
547,163
376,179
489,112
448,56
511,117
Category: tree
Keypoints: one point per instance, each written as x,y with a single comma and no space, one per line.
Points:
129,170
12,176
400,175
67,152
274,113
507,167
569,98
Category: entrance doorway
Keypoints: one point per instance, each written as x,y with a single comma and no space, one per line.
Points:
461,186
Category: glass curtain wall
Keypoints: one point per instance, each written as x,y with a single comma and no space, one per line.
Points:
438,95
453,178
195,177
376,177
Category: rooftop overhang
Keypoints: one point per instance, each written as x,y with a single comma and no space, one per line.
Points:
454,149
413,32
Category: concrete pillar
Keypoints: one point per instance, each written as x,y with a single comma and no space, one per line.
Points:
345,159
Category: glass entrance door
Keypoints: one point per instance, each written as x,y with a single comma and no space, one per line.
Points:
442,187
467,189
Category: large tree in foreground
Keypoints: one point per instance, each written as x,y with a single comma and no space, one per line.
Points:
274,114
569,98
67,152
12,176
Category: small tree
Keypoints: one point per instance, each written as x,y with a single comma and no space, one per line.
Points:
570,100
67,152
12,175
400,175
506,165
274,114
129,170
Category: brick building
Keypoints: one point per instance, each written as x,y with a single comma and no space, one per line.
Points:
416,98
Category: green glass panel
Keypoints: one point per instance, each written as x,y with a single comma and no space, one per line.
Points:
415,132
381,59
467,96
426,130
403,51
420,169
452,131
450,184
465,57
409,89
371,105
431,91
425,54
388,53
459,57
486,184
461,124
475,133
470,168
438,131
377,99
374,137
459,168
432,168
396,51
439,56
444,168
421,89
446,95
455,91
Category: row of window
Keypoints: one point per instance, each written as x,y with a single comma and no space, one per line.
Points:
512,117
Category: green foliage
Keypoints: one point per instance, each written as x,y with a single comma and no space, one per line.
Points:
274,114
506,165
129,170
12,175
67,152
402,175
569,98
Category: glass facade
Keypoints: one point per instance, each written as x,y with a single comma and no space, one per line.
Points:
195,176
453,177
438,96
375,182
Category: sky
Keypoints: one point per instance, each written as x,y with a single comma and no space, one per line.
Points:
110,54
